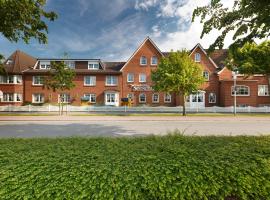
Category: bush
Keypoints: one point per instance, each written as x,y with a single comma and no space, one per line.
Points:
169,167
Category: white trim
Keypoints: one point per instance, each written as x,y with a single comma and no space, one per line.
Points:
93,63
240,95
91,94
140,98
132,76
140,78
111,84
35,66
33,81
267,89
153,98
200,46
214,96
95,81
165,98
146,39
200,58
222,70
152,61
143,64
33,98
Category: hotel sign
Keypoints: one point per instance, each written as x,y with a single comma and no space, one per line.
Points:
141,88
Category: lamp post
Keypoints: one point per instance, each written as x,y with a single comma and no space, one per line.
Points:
234,76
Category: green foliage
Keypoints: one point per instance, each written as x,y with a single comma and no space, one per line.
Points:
177,73
169,167
2,69
248,18
251,58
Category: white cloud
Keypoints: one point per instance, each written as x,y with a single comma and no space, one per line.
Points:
145,4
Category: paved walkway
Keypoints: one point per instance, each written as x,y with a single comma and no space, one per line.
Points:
59,126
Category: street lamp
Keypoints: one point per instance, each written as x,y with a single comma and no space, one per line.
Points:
234,76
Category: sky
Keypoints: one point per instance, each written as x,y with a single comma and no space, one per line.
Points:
111,30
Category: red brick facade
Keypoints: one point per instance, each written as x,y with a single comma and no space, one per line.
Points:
219,82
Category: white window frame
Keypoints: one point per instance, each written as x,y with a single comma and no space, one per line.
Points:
14,97
11,79
265,90
90,95
44,64
130,75
93,65
40,97
140,76
232,90
197,57
92,82
208,75
153,98
70,64
140,98
153,59
143,58
40,78
214,95
66,95
167,100
109,81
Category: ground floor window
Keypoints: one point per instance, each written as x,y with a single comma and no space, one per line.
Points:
241,90
212,97
142,98
130,96
263,90
64,98
38,98
155,98
110,98
12,97
167,98
91,97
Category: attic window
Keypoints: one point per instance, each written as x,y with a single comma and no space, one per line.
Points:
45,65
197,57
93,65
9,62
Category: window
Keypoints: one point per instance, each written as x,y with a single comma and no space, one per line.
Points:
45,65
91,97
70,64
143,60
142,78
12,97
15,79
90,80
111,80
93,65
263,90
167,98
130,96
206,75
142,98
154,60
130,77
38,80
38,98
155,98
65,98
197,57
9,62
241,90
212,97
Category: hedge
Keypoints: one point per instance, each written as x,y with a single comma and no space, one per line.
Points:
154,167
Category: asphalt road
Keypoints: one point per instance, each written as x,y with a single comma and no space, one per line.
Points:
117,126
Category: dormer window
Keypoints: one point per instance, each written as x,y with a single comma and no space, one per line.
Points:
197,57
45,65
70,64
154,60
93,65
143,60
9,62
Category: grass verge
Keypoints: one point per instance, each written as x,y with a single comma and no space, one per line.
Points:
154,167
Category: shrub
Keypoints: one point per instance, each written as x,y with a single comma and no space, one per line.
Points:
169,167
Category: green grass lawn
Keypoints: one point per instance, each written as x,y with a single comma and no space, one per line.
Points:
154,167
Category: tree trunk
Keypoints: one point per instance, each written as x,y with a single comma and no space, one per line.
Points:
184,105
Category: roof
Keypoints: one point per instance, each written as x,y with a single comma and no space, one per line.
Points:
219,56
113,66
20,62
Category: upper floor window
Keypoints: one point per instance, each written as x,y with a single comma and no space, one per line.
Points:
142,98
12,97
154,60
93,65
45,65
167,98
241,90
143,60
91,97
38,80
12,79
263,90
130,77
155,98
142,78
111,80
70,64
90,80
206,75
212,97
38,98
197,57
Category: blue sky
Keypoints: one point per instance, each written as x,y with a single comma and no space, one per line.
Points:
113,29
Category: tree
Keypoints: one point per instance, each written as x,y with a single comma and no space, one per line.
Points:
251,59
179,74
60,79
24,19
248,18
